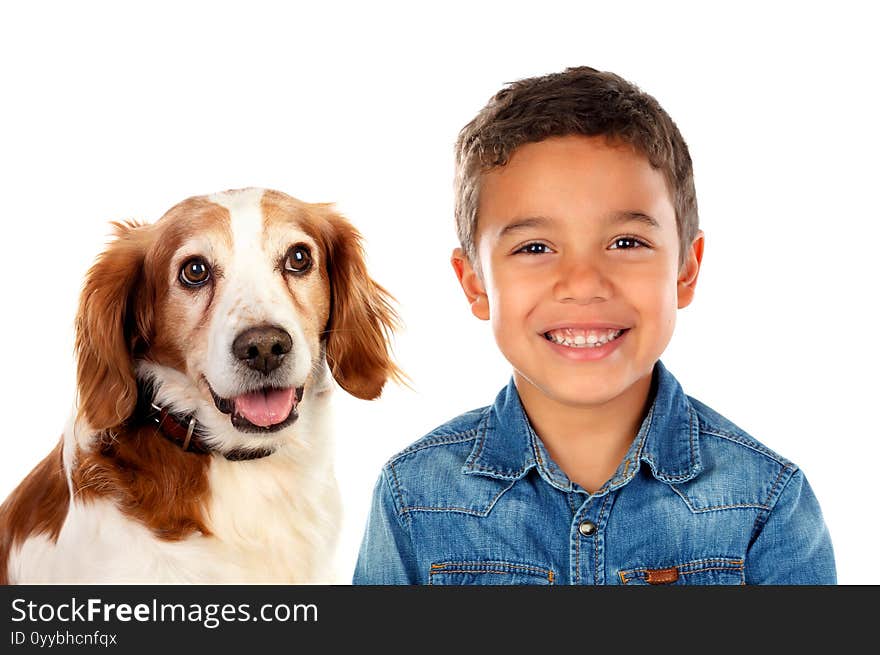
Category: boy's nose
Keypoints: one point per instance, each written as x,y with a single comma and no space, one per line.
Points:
582,282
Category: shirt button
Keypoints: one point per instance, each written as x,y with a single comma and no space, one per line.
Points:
587,528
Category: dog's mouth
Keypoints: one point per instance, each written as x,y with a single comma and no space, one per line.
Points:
264,410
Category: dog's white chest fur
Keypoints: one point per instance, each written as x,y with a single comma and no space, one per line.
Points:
272,520
251,543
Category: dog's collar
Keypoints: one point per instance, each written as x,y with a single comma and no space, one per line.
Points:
184,430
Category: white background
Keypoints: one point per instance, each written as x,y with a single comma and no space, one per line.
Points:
119,110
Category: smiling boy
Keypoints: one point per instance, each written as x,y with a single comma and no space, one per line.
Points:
577,217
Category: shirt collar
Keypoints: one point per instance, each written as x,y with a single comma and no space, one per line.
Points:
668,440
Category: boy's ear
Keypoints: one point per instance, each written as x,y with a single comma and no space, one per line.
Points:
471,284
690,270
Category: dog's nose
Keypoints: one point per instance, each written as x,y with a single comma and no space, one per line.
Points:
262,348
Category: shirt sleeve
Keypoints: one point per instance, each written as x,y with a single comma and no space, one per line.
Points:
386,555
793,546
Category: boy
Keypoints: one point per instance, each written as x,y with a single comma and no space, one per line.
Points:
577,216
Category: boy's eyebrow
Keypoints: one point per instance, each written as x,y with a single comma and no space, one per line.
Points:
543,221
625,217
523,223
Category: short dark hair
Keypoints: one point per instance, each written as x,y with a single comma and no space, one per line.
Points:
581,101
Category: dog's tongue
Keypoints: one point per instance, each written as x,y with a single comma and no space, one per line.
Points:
266,407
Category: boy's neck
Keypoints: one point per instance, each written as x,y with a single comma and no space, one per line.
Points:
587,442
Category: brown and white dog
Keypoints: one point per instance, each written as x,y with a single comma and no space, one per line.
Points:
199,450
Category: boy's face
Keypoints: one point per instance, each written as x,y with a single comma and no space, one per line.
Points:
579,275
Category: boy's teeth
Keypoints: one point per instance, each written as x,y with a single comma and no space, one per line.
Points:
582,338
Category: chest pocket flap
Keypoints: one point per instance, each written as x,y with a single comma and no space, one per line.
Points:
709,571
489,573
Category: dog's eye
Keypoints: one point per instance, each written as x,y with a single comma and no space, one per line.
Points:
195,272
298,260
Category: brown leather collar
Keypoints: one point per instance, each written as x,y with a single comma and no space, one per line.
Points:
184,430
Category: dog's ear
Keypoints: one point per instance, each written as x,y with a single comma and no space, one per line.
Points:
112,321
362,318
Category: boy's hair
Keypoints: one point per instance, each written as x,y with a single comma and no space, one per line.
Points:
582,101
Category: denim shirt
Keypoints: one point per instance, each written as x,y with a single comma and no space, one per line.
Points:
695,501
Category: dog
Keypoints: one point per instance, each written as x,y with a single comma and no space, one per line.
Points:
199,449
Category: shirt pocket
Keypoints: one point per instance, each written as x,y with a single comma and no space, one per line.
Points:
493,572
709,571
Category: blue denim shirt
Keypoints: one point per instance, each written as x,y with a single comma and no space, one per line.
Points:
695,501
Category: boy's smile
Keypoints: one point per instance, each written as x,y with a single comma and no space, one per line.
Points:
578,270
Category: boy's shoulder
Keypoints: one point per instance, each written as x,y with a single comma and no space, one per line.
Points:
714,426
735,470
439,473
457,434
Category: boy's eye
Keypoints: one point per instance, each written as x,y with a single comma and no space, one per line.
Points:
626,243
534,249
